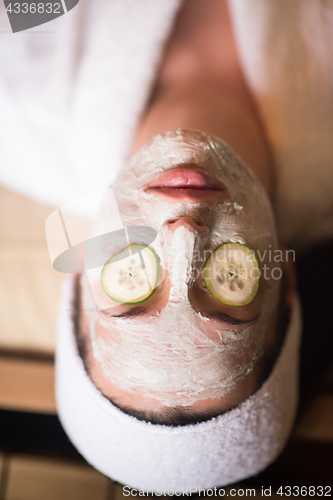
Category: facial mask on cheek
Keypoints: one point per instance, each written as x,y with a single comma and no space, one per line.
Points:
172,357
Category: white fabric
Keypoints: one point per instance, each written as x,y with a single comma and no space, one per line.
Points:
71,98
150,457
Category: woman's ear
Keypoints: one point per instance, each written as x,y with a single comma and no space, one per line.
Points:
290,275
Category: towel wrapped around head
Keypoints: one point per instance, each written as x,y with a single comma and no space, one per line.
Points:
155,458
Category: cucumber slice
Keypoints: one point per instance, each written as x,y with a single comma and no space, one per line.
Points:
131,276
231,274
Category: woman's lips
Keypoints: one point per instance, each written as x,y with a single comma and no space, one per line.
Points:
186,178
187,185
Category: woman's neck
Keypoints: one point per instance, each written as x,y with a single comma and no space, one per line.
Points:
200,85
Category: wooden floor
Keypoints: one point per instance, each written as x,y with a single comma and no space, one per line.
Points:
37,462
31,478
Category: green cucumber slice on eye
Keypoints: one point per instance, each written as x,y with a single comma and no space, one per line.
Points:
231,274
129,278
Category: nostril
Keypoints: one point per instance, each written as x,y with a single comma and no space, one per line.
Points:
198,226
197,222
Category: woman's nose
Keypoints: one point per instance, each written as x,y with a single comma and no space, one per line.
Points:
197,226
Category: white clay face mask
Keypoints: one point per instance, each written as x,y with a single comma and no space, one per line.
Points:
176,356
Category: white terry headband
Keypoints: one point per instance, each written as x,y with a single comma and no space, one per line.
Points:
220,451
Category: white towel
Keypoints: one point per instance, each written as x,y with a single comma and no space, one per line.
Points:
72,92
220,451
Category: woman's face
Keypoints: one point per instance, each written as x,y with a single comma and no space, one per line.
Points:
182,346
